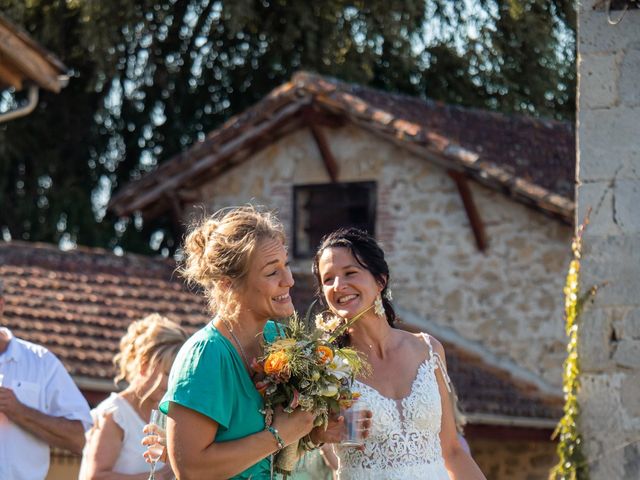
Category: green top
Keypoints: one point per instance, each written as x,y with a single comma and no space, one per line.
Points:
209,376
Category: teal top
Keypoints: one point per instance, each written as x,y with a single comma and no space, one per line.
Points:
209,376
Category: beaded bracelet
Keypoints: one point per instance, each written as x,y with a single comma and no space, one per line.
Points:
274,431
308,444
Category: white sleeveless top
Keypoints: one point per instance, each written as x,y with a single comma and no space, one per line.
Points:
404,441
130,460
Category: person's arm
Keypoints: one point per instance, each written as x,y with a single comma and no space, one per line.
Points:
56,431
458,462
329,457
198,456
102,451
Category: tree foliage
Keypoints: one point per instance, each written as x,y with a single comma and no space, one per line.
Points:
152,77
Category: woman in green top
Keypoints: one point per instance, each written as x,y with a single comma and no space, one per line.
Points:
215,428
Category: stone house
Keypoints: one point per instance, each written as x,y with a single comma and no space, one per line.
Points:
473,208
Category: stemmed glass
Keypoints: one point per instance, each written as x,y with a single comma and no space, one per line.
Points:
156,449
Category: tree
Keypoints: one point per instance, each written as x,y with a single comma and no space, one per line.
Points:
152,77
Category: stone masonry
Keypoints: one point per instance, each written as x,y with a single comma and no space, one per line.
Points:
501,459
509,299
609,185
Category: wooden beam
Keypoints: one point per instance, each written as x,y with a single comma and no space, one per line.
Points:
9,76
472,212
31,64
323,146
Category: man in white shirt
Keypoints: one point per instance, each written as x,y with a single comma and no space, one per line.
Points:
40,406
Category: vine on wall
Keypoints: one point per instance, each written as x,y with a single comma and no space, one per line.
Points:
572,464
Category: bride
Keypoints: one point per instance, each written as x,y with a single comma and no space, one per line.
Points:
413,434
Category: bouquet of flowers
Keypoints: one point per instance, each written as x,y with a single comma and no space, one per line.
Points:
304,368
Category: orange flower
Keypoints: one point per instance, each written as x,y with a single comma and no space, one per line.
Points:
325,354
277,363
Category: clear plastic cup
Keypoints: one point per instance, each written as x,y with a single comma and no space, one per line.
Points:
355,419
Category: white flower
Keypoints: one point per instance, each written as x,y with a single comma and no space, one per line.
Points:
327,324
339,367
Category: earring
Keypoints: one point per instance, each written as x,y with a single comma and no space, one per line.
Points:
378,307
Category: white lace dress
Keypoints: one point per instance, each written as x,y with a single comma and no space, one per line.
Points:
404,441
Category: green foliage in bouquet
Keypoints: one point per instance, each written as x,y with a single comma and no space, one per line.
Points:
305,369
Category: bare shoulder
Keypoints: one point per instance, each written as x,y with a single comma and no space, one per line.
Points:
435,343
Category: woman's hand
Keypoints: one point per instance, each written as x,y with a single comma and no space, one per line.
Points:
334,433
154,435
367,415
292,426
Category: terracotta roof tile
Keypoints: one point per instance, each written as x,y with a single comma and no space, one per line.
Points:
539,151
79,303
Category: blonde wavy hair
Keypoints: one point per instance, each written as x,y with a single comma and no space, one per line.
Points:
154,340
218,249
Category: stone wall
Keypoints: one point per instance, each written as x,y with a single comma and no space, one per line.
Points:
609,174
514,459
509,299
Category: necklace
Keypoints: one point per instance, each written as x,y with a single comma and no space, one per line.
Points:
242,352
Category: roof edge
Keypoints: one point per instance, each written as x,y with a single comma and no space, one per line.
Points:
95,384
22,34
506,421
84,250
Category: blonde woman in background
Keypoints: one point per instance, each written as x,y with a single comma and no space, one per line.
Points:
114,449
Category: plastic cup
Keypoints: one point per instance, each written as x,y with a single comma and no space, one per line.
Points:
354,422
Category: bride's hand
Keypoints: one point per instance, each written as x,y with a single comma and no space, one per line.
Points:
366,426
366,423
336,429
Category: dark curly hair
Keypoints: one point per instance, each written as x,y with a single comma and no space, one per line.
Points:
368,254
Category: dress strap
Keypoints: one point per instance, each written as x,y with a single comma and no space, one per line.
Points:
438,361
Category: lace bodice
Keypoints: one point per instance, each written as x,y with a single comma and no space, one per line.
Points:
404,441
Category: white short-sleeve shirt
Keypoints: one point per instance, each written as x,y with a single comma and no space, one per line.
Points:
130,459
40,381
